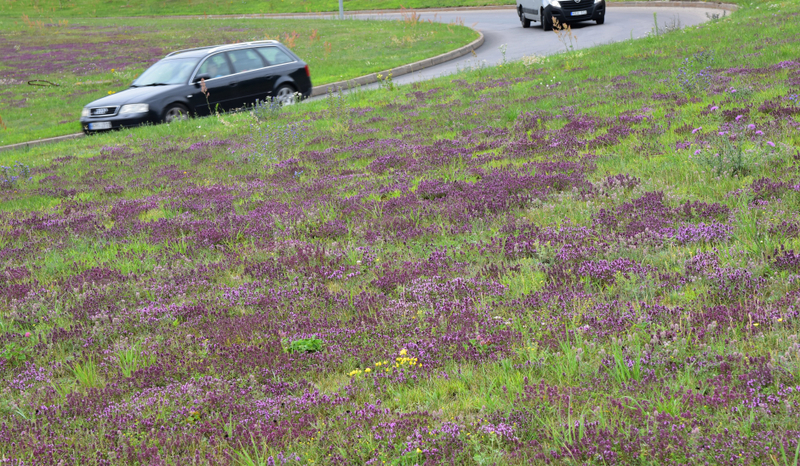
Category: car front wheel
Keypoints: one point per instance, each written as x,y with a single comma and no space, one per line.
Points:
285,95
175,112
547,21
600,20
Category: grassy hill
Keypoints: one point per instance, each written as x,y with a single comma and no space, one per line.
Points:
591,258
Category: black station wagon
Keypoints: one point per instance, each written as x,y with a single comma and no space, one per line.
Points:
201,81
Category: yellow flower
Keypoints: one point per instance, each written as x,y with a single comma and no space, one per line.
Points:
780,320
367,370
110,92
403,352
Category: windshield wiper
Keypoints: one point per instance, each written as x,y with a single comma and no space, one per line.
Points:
151,84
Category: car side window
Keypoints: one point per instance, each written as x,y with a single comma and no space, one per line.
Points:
274,55
215,66
245,60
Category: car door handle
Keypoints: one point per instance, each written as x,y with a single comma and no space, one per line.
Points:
233,84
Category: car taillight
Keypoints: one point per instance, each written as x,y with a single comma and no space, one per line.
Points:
308,72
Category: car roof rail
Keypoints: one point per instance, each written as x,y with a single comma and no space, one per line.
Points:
243,44
189,50
214,48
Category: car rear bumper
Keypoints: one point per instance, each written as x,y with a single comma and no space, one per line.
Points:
566,13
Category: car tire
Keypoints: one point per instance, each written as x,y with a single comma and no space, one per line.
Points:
526,23
175,112
600,20
547,21
285,95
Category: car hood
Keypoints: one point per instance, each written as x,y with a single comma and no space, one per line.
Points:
133,95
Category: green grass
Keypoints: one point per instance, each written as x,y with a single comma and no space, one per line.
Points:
111,8
96,8
564,388
86,59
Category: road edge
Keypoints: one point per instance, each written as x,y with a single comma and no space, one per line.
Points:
400,70
36,142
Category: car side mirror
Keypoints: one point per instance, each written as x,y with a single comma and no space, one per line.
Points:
201,76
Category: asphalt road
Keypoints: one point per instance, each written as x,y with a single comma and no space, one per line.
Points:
502,26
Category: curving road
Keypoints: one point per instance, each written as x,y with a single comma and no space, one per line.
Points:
502,26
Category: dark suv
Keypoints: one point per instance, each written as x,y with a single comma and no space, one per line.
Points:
203,80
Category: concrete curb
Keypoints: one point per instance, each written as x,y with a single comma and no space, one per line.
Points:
400,70
25,145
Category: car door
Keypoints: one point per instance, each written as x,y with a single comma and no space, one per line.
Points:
280,64
249,68
220,83
529,7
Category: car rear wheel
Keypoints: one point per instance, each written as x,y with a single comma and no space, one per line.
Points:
285,95
176,112
526,23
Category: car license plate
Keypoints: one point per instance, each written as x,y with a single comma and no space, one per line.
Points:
100,125
578,13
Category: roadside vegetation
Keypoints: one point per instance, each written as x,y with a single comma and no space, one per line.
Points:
93,8
50,69
112,8
589,258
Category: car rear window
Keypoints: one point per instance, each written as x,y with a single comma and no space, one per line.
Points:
245,60
215,66
274,55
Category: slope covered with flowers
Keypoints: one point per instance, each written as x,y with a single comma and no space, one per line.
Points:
586,259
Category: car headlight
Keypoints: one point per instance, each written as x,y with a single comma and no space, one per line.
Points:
555,3
597,1
134,108
85,112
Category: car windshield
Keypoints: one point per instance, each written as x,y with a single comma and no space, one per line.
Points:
170,71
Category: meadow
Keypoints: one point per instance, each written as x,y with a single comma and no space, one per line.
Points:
96,8
587,258
50,69
114,8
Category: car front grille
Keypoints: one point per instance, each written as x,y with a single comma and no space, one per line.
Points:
103,111
572,5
